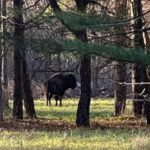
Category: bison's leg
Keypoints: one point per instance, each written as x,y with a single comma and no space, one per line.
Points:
60,99
47,96
50,96
48,101
56,98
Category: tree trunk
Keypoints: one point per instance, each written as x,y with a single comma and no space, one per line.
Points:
147,111
5,80
147,103
1,98
139,73
28,98
83,110
21,83
120,92
19,47
85,69
94,72
5,67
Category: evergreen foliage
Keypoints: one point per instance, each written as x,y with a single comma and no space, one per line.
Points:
78,22
111,51
100,23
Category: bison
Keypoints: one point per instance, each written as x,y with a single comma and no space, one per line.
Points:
57,84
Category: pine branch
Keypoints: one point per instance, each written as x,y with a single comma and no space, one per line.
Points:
110,51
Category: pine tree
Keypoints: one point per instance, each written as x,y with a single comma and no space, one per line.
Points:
85,70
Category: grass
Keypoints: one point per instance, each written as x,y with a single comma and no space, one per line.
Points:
106,132
66,112
101,109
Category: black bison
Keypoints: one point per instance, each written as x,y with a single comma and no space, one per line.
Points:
57,84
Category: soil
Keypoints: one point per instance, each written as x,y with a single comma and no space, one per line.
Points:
42,124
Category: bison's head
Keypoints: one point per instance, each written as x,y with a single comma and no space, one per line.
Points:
71,81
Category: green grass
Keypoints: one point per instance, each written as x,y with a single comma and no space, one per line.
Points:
66,112
100,109
94,138
79,139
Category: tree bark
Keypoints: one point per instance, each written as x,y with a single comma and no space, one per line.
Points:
147,103
1,98
120,92
83,110
28,98
94,73
5,65
147,111
18,61
21,77
139,73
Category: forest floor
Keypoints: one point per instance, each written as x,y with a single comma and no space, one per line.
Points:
42,124
55,117
56,125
